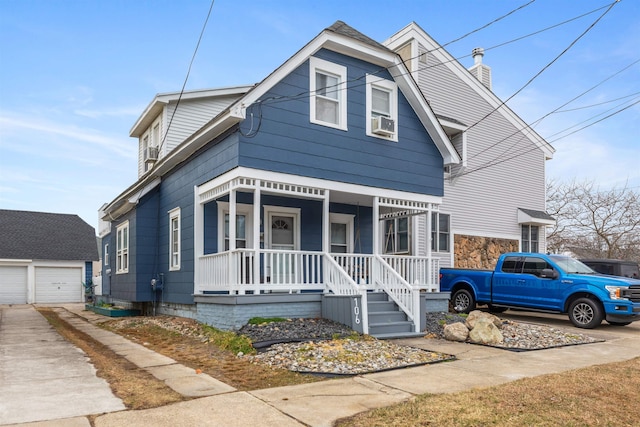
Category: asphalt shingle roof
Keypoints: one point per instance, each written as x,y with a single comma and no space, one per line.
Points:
537,214
46,236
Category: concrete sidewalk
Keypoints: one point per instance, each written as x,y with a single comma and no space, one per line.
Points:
320,404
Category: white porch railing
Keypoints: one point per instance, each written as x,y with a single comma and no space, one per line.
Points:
423,272
401,277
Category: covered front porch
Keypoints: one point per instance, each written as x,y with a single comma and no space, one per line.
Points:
297,235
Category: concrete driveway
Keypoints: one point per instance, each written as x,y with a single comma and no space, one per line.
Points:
42,376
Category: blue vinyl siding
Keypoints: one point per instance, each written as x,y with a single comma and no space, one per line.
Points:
287,141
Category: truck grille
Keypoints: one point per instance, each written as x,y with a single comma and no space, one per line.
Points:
633,293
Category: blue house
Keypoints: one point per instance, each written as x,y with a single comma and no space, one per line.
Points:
296,197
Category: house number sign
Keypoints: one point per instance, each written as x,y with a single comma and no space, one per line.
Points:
356,311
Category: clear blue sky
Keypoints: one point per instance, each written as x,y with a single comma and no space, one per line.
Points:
76,74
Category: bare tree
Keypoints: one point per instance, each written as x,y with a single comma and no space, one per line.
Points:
592,222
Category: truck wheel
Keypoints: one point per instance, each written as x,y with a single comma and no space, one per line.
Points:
585,313
463,301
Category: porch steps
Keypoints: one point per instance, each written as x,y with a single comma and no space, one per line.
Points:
386,320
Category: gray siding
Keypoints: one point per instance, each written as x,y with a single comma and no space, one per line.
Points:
511,173
190,116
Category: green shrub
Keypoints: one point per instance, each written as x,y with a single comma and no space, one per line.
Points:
261,320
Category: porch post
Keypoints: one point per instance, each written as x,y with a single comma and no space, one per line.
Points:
233,273
198,239
376,225
429,245
326,224
256,236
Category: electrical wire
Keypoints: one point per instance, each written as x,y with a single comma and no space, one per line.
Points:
193,57
522,153
546,66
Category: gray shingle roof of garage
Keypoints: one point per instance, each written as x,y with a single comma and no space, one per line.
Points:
46,236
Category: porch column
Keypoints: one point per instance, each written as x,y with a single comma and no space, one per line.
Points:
376,227
233,273
326,224
198,238
256,235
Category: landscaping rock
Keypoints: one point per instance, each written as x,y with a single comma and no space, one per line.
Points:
475,315
485,332
456,332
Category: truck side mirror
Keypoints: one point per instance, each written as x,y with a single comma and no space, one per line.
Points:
548,273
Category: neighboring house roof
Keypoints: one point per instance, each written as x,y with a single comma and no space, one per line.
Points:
339,38
414,31
46,236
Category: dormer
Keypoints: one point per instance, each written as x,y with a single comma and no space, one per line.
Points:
171,118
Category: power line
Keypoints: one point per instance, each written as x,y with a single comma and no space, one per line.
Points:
546,66
537,122
522,153
596,105
193,57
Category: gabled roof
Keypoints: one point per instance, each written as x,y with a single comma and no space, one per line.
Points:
339,38
414,32
160,100
28,235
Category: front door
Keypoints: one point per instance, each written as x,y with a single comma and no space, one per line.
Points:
282,238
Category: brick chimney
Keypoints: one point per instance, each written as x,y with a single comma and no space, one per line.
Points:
479,70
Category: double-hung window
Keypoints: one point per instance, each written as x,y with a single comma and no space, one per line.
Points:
382,108
122,248
530,238
440,234
328,93
341,233
241,231
174,239
396,236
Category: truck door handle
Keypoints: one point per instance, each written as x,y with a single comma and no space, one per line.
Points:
521,280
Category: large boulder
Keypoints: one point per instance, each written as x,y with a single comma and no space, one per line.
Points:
485,332
456,332
476,315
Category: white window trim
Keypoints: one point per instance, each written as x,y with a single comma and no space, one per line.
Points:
338,218
410,244
105,254
270,211
436,242
538,241
121,252
241,209
173,215
392,88
326,67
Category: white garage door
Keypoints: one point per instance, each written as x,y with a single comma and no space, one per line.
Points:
58,284
13,285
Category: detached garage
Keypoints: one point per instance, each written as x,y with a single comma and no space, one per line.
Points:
44,257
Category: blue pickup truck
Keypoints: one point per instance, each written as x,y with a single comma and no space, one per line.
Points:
548,283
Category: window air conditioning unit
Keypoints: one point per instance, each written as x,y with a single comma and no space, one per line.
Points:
151,154
384,126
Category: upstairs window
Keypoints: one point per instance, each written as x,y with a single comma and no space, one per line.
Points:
122,248
382,108
328,93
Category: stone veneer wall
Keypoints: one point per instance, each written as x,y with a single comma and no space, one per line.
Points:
480,252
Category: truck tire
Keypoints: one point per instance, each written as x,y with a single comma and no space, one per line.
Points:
585,313
462,301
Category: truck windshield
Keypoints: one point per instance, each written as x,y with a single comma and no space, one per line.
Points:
570,265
